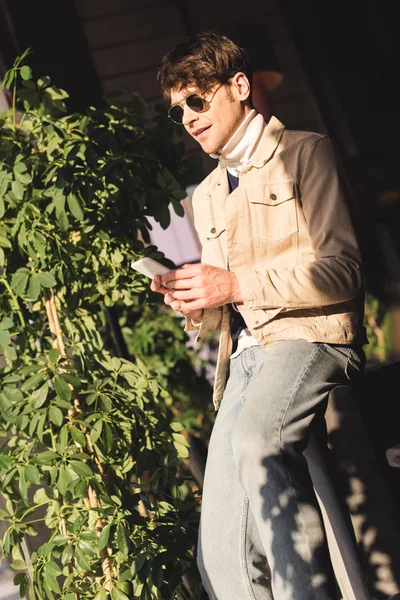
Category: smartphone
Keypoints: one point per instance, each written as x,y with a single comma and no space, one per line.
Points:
149,267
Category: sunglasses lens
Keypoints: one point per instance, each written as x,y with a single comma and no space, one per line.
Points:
195,102
176,113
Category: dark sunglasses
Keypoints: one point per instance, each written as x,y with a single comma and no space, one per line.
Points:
195,102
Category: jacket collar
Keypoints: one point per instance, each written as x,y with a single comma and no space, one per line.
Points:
267,145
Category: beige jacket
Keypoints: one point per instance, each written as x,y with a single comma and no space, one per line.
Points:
287,233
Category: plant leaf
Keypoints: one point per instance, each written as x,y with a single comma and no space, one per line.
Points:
62,388
39,396
81,468
78,436
81,559
75,207
46,279
62,482
66,556
56,416
32,474
26,73
122,539
104,536
96,431
19,280
116,594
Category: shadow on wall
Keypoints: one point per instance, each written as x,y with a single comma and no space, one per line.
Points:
360,428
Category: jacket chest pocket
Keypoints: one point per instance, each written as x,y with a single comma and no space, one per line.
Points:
273,210
212,235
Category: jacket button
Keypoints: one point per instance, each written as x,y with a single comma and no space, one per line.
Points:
273,196
213,230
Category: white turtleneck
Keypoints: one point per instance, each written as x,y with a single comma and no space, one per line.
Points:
238,151
236,154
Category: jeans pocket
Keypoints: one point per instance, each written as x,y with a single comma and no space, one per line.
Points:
351,359
348,364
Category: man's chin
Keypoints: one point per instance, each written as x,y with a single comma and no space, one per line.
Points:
208,147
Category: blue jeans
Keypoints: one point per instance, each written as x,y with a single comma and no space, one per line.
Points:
261,527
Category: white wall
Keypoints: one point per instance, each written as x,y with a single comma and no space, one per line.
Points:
179,241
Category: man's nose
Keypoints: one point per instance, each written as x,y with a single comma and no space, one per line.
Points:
189,115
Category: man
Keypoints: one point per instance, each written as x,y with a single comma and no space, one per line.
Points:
281,279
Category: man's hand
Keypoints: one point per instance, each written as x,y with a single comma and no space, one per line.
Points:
192,288
157,286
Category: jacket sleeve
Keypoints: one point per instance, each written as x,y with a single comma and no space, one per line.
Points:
212,317
210,322
334,275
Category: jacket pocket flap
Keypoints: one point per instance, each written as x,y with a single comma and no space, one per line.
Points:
271,193
209,228
259,317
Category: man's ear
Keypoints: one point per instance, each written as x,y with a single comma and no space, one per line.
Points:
240,86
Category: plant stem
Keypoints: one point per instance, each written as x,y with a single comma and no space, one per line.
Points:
27,556
35,520
15,299
90,498
14,108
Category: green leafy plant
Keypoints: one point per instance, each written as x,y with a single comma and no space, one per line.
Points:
159,338
379,326
91,446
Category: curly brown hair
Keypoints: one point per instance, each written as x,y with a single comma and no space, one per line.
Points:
202,60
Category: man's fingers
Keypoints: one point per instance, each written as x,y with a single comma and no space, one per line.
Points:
187,271
191,294
182,306
160,290
156,283
187,284
193,306
171,301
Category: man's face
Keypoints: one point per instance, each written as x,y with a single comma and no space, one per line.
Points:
214,127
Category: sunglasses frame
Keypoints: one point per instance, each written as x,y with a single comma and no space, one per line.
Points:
206,104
